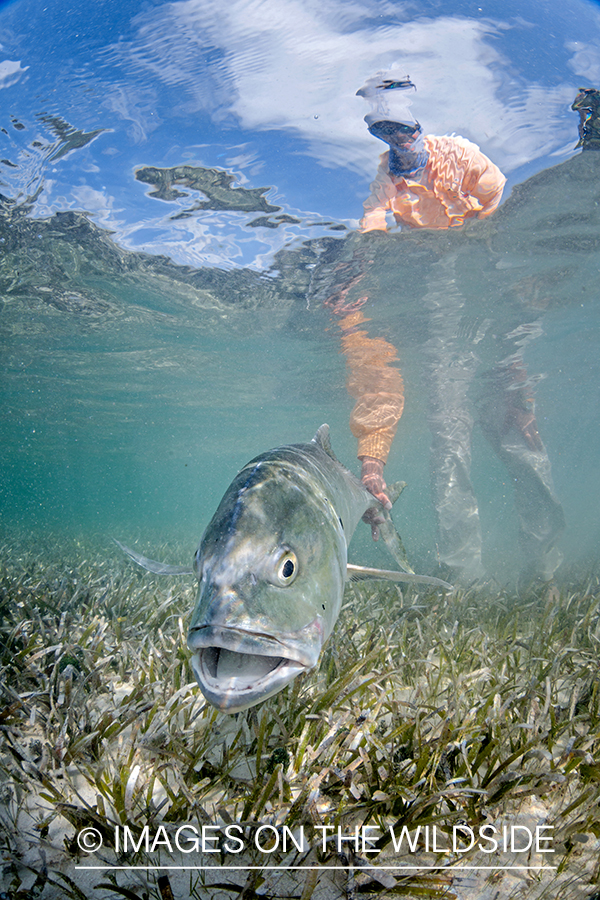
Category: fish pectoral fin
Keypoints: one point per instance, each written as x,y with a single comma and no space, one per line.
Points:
152,565
364,573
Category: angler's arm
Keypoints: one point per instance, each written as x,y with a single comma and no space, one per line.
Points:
376,384
485,182
380,199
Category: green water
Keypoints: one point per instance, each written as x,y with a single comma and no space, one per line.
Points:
134,389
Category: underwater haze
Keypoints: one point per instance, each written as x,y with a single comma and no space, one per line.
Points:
181,185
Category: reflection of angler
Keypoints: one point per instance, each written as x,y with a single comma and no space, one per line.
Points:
425,181
438,182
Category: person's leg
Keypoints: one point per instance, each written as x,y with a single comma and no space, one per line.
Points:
541,517
450,364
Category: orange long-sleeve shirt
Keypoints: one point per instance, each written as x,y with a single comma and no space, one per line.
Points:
375,383
457,183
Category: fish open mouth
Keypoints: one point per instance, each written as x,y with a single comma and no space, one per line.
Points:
233,681
236,668
225,665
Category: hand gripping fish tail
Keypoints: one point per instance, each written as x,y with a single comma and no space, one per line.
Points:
272,566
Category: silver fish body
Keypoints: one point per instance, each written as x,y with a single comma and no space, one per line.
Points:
272,570
272,566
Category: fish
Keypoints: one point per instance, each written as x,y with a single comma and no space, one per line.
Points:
272,565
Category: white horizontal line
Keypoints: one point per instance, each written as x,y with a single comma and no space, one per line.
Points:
322,868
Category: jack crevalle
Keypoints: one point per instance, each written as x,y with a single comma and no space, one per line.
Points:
272,566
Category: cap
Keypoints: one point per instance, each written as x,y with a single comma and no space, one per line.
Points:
387,96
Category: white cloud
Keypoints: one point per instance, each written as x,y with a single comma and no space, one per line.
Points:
100,204
295,65
10,72
585,60
135,105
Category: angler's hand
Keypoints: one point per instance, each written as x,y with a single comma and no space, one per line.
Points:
372,478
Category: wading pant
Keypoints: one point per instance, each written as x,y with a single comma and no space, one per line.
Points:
451,362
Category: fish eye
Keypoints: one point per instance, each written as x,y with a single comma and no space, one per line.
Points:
287,568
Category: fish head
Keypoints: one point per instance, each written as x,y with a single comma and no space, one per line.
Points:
271,568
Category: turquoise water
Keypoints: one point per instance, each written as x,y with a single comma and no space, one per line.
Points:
152,345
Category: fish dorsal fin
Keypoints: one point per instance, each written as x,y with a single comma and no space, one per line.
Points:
323,439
